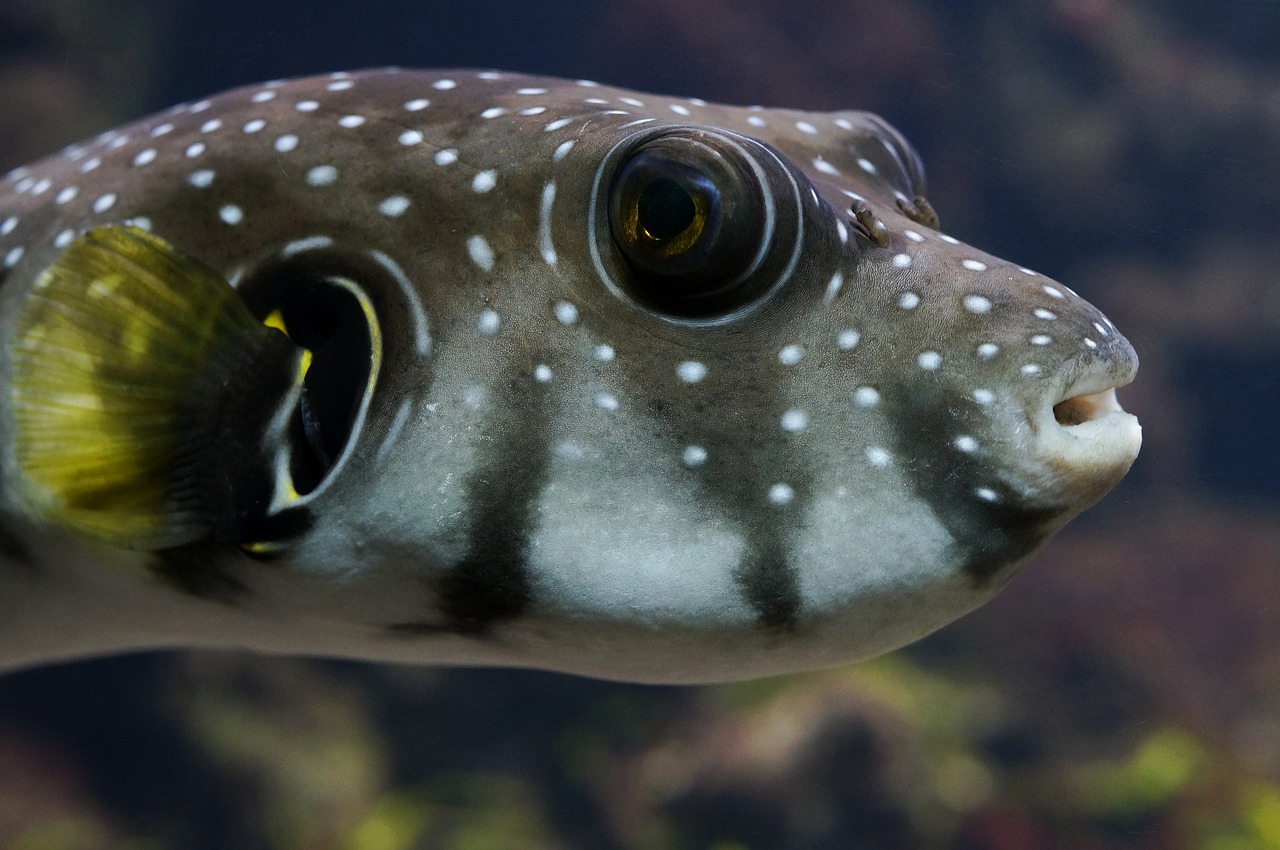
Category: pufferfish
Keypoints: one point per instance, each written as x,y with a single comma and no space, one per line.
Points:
492,369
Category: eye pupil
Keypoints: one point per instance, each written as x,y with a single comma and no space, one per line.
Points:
665,210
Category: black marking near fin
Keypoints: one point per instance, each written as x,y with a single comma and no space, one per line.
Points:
194,571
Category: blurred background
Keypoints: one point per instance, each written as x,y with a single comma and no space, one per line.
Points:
1124,692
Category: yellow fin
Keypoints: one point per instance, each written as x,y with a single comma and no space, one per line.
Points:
114,357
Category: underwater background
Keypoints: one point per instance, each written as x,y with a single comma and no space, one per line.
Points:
1123,692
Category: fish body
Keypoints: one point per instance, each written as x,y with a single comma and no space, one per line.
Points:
577,378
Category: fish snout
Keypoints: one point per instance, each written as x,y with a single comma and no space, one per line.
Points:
1083,434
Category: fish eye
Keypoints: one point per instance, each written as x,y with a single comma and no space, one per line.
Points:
699,220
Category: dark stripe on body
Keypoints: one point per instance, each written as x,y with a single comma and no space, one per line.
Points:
743,464
490,584
989,537
769,584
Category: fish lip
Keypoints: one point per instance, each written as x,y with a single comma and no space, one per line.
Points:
1086,438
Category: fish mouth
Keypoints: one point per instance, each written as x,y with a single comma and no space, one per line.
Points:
1087,438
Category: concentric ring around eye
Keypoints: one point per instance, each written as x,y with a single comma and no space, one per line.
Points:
697,224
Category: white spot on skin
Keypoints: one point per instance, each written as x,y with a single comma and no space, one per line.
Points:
781,494
566,313
66,195
1090,343
1041,339
678,109
263,96
913,236
563,150
757,121
310,243
794,421
542,373
480,252
211,125
107,201
254,126
843,232
417,105
790,355
1030,369
231,214
488,323
448,156
606,401
558,124
986,494
866,397
141,222
90,164
64,238
901,261
984,397
161,130
965,443
444,85
848,339
693,456
569,450
691,371
824,166
493,112
41,186
833,288
988,350
974,265
1047,315
545,247
145,157
194,150
351,121
306,106
340,85
12,256
806,127
394,206
950,240
473,397
1051,292
1100,329
484,181
929,360
977,304
604,353
533,110
410,137
322,175
878,457
531,91
908,301
9,224
867,165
